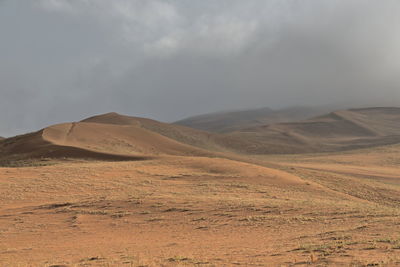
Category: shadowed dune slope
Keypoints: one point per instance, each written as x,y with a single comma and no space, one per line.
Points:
340,130
223,122
34,145
114,136
95,140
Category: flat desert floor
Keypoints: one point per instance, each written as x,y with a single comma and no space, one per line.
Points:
337,209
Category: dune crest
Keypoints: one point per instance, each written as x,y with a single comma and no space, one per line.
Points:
118,136
117,139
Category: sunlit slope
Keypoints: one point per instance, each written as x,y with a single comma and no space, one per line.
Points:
117,136
193,137
94,140
116,139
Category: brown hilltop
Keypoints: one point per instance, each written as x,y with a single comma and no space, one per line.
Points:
190,204
35,145
178,133
115,136
112,140
116,139
182,134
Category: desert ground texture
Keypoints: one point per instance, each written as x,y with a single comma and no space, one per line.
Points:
339,209
114,190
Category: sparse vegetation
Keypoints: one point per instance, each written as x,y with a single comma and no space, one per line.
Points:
321,209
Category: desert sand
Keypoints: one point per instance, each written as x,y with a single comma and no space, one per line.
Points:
114,190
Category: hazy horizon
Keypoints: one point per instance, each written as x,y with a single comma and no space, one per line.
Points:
63,60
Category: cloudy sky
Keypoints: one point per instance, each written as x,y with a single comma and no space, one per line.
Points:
63,60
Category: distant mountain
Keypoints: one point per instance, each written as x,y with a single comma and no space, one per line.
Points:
340,130
223,122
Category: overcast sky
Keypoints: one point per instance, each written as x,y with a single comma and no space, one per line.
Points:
63,60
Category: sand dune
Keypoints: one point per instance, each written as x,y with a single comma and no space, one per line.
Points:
34,145
117,139
201,139
115,136
160,194
178,133
112,136
95,140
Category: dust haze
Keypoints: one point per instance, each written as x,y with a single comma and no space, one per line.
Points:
63,60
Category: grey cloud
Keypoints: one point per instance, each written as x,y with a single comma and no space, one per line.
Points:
63,60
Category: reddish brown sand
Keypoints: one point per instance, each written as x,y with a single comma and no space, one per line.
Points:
154,194
113,136
336,210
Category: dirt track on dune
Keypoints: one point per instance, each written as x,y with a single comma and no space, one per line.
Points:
131,137
115,190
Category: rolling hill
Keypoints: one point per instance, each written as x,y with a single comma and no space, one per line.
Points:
117,137
185,135
90,139
223,122
340,130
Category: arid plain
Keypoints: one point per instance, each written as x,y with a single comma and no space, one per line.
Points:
114,190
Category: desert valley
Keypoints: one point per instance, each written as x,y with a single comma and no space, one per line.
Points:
114,190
